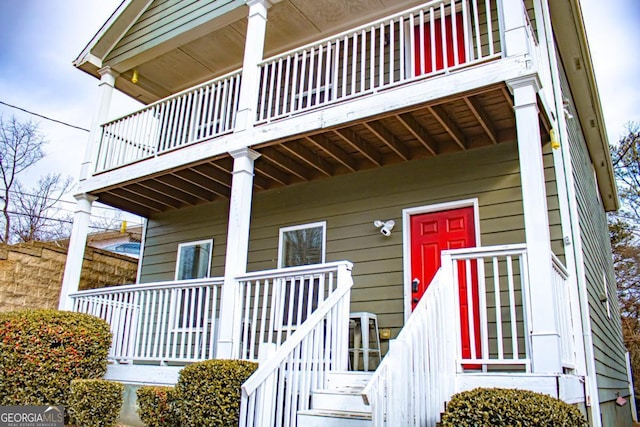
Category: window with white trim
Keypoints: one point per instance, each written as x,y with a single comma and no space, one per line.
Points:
300,245
194,260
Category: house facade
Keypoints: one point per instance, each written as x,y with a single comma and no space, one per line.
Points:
442,167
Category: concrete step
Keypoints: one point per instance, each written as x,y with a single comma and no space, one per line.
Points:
348,380
339,399
324,418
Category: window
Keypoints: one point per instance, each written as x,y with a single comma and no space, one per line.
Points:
302,245
194,260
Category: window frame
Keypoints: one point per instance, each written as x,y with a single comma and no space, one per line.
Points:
283,230
194,243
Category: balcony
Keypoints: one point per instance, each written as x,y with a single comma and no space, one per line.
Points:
423,82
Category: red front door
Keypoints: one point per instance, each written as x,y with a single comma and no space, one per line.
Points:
432,57
432,233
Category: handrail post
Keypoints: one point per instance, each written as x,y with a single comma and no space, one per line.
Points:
266,401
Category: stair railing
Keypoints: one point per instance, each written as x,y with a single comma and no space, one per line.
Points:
282,385
417,375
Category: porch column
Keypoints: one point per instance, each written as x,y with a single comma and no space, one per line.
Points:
545,340
237,248
75,253
106,85
253,54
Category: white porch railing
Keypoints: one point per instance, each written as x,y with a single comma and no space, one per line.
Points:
417,376
434,38
276,302
559,278
196,114
491,306
282,385
161,322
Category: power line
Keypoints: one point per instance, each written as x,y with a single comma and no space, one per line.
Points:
45,117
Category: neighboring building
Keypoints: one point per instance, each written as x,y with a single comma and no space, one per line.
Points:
280,139
125,241
30,273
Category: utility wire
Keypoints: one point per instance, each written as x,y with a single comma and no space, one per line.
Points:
45,117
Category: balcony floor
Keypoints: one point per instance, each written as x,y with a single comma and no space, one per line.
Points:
465,121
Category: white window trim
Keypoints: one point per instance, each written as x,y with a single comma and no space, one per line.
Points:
283,230
406,237
197,242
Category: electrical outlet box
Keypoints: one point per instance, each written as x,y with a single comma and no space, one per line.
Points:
385,334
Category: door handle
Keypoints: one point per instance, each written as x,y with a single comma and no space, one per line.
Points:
414,284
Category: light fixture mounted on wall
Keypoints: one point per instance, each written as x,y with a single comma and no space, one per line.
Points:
135,76
385,226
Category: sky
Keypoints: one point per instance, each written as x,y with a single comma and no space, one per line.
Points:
40,38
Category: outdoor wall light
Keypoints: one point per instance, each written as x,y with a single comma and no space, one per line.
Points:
385,226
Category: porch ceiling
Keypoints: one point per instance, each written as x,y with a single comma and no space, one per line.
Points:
468,121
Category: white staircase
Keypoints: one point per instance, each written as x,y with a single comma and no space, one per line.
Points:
340,404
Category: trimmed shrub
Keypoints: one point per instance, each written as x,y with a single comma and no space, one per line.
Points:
508,407
95,403
41,351
208,393
157,406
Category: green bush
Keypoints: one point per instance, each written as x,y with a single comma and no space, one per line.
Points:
95,403
208,393
41,351
508,407
157,406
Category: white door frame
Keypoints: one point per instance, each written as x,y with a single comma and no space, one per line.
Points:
406,238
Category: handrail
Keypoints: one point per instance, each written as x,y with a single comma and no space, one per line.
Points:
294,271
169,284
559,267
303,330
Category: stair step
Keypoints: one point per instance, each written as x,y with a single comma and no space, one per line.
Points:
339,399
348,379
324,418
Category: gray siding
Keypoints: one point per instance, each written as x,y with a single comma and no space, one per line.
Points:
349,204
596,249
166,19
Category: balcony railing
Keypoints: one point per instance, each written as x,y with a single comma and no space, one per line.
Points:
559,278
431,39
161,322
179,321
197,114
435,38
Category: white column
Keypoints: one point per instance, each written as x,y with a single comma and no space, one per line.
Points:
253,54
545,340
237,248
514,23
75,253
107,83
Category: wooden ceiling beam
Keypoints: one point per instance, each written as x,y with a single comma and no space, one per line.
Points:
285,163
334,151
449,126
204,182
167,190
156,195
271,172
419,132
180,184
310,157
389,139
482,118
214,173
138,199
226,166
359,144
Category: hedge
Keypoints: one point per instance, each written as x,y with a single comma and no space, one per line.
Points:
208,393
42,351
95,403
507,407
157,406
